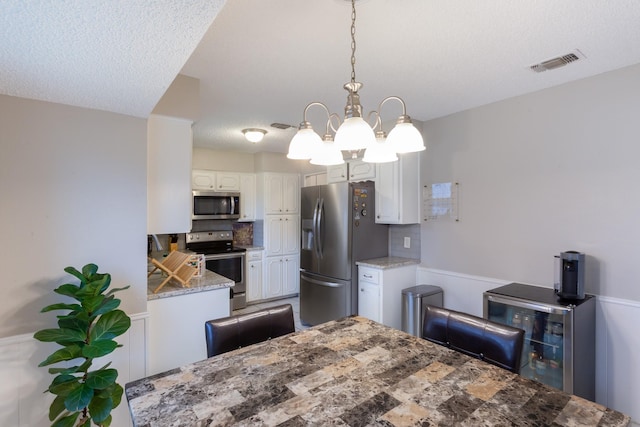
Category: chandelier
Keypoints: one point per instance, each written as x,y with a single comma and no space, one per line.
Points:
354,133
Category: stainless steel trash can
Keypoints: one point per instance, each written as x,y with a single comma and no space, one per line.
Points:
414,303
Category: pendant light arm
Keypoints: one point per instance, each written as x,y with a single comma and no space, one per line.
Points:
397,98
330,122
304,115
378,122
404,118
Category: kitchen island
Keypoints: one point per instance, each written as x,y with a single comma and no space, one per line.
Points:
177,315
353,372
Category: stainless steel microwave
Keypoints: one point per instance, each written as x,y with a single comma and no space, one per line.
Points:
215,205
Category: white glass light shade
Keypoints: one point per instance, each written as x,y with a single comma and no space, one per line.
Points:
327,154
380,152
254,135
304,144
354,134
405,138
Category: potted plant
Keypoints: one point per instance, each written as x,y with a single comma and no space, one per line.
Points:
85,332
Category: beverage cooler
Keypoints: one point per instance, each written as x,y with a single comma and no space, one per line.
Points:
559,347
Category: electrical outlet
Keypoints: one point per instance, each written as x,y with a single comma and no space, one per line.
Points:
407,242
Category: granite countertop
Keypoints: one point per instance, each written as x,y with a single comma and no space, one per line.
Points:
209,281
387,262
353,372
251,247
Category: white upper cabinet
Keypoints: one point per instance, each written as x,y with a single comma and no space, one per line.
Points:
361,171
318,178
398,190
291,190
337,173
352,170
227,181
169,148
203,180
247,197
280,194
215,181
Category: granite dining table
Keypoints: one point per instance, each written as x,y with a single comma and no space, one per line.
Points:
353,372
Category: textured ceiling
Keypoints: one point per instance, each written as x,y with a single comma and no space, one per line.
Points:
263,61
118,56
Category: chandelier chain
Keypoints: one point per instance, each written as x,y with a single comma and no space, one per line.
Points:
353,41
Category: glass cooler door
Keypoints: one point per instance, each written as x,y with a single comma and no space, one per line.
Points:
546,352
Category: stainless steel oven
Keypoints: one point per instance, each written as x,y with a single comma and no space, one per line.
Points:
231,265
222,258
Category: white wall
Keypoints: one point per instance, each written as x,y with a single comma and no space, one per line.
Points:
539,174
226,161
206,158
72,191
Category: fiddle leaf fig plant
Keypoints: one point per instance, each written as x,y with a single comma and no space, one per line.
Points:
85,332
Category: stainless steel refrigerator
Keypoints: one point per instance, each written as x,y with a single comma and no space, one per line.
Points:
338,229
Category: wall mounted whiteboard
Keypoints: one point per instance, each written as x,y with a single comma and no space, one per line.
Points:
440,200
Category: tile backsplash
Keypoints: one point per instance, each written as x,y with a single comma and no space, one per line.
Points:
243,233
397,233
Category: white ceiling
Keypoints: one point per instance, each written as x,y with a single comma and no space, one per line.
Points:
263,61
118,56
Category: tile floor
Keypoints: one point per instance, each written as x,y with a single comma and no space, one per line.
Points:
295,303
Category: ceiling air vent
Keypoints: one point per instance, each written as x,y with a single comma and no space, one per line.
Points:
280,126
558,62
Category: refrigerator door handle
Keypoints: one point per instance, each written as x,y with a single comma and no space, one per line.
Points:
322,283
318,236
314,229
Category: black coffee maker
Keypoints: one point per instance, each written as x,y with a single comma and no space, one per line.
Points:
569,280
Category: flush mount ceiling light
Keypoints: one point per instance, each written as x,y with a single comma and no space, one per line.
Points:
354,133
254,135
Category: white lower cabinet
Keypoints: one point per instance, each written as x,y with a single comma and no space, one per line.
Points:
281,276
380,292
254,276
369,300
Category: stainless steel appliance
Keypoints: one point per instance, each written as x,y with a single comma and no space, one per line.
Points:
560,335
223,258
338,229
215,205
569,275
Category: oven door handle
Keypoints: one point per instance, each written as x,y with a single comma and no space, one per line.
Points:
226,255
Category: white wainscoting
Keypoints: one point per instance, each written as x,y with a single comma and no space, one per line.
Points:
617,339
22,382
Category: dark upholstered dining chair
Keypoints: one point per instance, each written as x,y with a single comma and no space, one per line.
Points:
498,344
230,333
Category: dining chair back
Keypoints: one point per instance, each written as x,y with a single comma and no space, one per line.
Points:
229,333
498,344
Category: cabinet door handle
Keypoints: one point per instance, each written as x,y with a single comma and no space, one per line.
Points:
368,276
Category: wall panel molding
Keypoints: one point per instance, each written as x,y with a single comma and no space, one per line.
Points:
617,342
22,401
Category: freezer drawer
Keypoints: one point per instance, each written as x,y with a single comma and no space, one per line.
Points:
323,299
